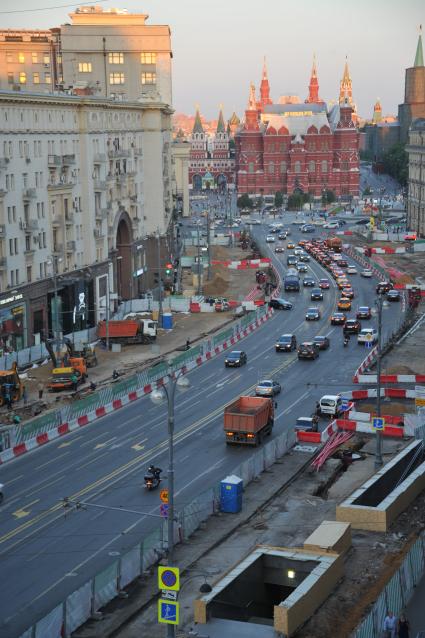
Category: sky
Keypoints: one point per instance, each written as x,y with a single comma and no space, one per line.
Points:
218,47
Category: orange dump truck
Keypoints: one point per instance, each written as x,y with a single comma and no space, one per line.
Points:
248,420
335,243
128,331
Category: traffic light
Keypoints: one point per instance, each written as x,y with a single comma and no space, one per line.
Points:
168,269
156,277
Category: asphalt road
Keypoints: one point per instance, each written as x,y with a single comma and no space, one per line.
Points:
46,553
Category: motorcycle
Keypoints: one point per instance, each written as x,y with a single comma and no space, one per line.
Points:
152,481
346,342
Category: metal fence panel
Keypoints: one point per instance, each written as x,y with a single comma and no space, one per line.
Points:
121,388
31,429
105,586
152,547
51,625
394,598
130,566
78,607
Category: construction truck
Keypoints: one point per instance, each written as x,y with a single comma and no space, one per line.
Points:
84,351
128,331
248,420
334,243
68,371
11,387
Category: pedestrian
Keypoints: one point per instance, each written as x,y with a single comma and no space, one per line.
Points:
403,627
74,381
40,389
8,398
187,344
24,394
390,625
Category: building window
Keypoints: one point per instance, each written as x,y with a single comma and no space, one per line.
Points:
148,78
116,78
34,57
311,166
115,58
271,168
36,78
47,78
9,56
282,168
46,58
251,167
84,67
29,274
324,166
10,78
297,167
21,58
22,77
148,57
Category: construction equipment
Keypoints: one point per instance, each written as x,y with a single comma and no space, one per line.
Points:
66,368
86,352
335,243
11,387
66,379
128,331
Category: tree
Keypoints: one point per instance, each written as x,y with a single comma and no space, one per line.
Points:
278,199
367,192
328,197
295,201
244,201
396,163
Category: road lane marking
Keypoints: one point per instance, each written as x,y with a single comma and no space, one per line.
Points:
94,438
10,481
100,445
94,459
39,467
24,511
139,446
70,442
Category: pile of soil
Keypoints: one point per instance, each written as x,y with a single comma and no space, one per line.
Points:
217,286
392,408
398,369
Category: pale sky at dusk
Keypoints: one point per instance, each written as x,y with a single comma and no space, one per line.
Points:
219,46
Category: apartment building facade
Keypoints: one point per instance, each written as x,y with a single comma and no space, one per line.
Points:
84,190
416,180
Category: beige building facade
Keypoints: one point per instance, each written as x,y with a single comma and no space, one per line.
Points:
416,181
85,189
180,158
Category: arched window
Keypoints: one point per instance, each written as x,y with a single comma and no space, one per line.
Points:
311,166
324,166
251,167
297,167
283,168
271,168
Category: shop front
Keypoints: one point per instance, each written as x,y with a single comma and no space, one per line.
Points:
12,322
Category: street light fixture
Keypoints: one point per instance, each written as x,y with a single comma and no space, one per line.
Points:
53,261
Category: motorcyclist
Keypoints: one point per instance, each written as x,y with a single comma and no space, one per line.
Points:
155,471
346,339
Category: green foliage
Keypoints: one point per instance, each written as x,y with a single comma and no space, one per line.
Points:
367,192
244,201
328,197
396,163
297,200
278,199
366,156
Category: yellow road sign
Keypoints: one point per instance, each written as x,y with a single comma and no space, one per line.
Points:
163,495
169,578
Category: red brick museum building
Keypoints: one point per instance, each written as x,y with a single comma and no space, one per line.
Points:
298,147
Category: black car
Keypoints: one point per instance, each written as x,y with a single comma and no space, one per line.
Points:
234,359
291,260
393,295
322,342
309,281
316,294
383,287
304,258
308,350
286,343
280,304
282,236
302,268
352,327
312,314
364,312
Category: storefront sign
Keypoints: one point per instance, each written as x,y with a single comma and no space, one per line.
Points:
11,299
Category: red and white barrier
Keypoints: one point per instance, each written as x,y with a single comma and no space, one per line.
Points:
367,361
367,428
388,251
371,393
243,263
85,419
390,378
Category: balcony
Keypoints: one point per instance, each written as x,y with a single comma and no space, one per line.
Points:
99,185
99,158
29,225
3,193
56,222
118,152
138,151
51,186
4,161
101,213
29,193
71,246
133,198
69,219
54,160
68,160
29,254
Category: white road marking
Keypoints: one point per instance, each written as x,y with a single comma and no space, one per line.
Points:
294,403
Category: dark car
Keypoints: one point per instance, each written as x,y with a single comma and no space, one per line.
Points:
282,236
338,318
302,268
316,294
322,341
286,343
308,350
306,424
280,304
304,258
234,359
383,287
324,284
364,312
308,228
309,281
292,260
352,327
279,249
393,295
312,314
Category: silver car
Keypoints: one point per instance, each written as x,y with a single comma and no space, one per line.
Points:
268,388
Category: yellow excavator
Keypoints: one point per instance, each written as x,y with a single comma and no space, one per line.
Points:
10,385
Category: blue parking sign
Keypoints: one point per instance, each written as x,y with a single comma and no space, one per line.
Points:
168,612
378,423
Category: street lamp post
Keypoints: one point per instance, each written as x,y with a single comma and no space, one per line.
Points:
158,237
378,456
157,396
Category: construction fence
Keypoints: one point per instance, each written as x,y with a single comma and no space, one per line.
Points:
396,593
103,587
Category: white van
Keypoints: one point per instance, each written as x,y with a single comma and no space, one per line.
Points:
330,404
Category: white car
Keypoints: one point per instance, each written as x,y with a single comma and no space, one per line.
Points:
270,239
332,224
351,270
366,273
367,335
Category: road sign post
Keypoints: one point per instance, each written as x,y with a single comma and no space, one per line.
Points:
169,583
168,612
163,495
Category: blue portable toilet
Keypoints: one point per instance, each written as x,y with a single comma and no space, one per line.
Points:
231,489
167,321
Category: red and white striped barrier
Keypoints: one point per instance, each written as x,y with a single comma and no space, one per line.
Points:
81,421
367,428
244,263
371,393
367,361
391,378
389,251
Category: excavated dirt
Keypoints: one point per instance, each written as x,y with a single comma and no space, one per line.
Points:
393,408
